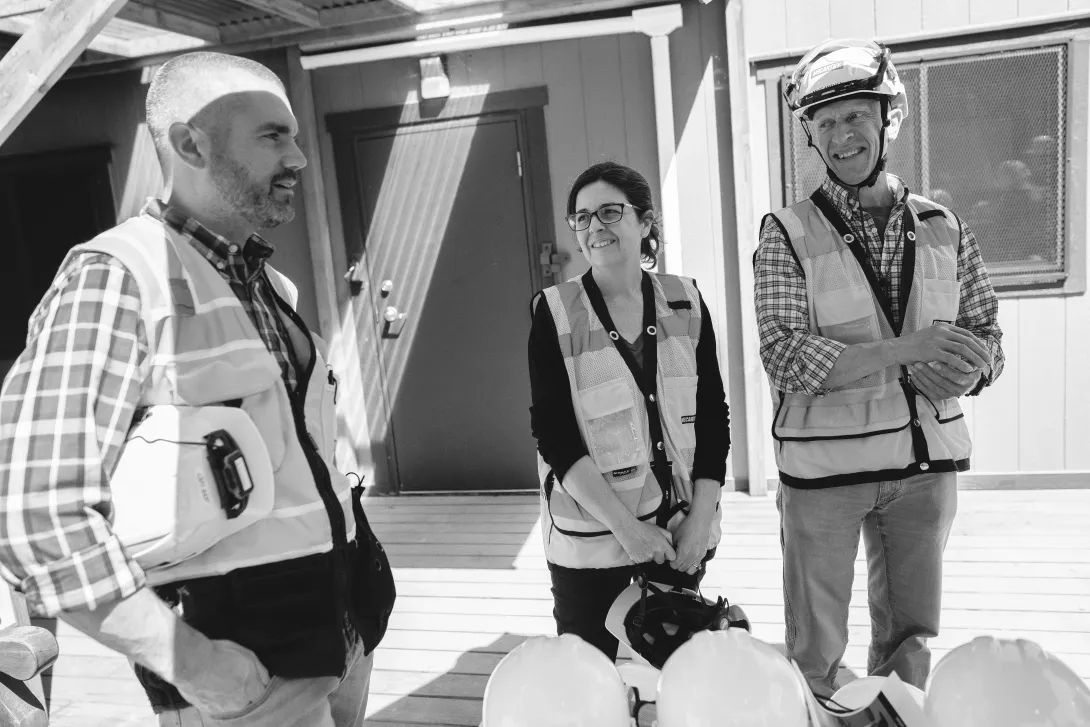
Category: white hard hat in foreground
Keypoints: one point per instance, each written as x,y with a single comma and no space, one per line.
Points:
992,682
730,679
555,681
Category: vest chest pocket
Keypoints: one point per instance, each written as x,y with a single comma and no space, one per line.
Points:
847,315
940,301
680,409
610,426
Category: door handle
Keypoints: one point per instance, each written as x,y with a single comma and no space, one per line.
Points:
395,321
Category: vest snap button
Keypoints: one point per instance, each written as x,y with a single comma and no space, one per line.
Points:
849,238
916,422
652,330
659,445
911,235
614,335
924,466
652,398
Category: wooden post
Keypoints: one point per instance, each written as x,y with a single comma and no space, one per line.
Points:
41,56
301,94
738,70
658,23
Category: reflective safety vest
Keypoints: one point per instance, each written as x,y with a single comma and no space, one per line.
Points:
204,351
876,428
615,419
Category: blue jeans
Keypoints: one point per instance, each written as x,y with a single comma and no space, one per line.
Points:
905,526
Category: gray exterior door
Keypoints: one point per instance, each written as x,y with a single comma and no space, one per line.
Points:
449,275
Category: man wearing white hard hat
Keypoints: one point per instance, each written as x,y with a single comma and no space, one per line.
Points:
875,314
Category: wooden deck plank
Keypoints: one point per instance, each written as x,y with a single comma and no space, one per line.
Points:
952,569
732,587
473,585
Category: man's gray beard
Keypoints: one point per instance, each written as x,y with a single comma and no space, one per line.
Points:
253,202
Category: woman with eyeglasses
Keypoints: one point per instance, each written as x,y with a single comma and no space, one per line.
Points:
629,412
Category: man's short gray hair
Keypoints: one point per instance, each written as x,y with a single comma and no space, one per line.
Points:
179,79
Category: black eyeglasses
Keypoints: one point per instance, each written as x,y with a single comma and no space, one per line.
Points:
607,214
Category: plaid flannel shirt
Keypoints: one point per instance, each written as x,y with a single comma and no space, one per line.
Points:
798,361
66,407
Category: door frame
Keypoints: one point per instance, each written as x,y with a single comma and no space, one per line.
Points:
524,106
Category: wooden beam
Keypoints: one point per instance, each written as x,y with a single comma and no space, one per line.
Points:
746,227
292,10
404,5
385,22
368,24
21,24
13,8
41,56
154,17
301,94
133,12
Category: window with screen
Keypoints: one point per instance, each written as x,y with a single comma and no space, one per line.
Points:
985,136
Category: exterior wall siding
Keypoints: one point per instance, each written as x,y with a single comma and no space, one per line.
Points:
1034,419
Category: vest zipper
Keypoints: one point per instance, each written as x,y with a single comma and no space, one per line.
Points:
318,468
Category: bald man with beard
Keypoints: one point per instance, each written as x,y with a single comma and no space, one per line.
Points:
179,307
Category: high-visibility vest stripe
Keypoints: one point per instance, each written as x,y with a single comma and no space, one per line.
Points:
205,350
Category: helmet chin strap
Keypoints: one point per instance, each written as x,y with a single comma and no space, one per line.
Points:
879,166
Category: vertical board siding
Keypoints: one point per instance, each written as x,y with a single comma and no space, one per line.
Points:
1041,392
766,26
523,65
896,18
807,22
721,244
852,18
1077,375
484,67
945,14
1072,4
1030,8
995,448
603,99
566,129
641,138
993,11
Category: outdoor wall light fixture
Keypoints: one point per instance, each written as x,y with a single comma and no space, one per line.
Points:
433,78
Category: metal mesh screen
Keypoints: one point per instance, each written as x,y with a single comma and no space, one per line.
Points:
985,136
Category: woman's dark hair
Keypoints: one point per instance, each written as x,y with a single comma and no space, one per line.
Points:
637,193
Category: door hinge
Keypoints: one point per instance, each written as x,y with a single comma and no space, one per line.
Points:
518,158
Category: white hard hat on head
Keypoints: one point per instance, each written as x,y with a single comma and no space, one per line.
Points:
555,681
838,69
992,682
730,679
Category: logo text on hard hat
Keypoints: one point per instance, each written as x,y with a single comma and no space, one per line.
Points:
827,68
